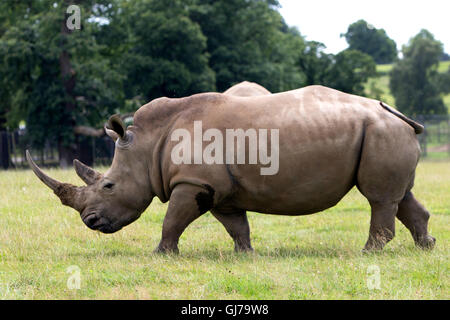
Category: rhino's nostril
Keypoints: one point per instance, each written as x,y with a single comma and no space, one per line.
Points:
90,220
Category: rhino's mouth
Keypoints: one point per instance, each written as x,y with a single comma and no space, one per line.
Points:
96,222
106,228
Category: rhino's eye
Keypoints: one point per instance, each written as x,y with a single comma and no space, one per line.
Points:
108,185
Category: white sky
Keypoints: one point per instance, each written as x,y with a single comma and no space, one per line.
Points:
325,20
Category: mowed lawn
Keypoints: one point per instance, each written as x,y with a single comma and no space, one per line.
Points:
45,248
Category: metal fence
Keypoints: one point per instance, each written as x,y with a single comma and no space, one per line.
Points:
434,142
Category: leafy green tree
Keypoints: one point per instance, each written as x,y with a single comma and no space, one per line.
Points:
347,71
363,37
10,13
315,63
444,82
165,50
414,80
248,40
350,71
445,56
54,78
64,83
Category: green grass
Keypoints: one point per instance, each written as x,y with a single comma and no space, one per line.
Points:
443,66
310,257
446,99
378,88
384,68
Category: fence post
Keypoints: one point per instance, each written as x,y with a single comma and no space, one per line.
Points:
4,150
425,134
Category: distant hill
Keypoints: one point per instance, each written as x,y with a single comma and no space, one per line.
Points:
378,87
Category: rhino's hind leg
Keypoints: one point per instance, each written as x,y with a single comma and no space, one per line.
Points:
415,217
187,203
236,224
382,225
386,172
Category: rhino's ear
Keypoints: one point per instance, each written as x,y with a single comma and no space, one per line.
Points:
111,133
115,128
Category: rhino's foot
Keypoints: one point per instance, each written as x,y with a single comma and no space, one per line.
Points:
415,217
382,225
166,249
378,240
426,242
187,203
236,223
243,248
372,248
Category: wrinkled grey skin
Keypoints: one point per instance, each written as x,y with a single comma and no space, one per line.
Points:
247,89
329,142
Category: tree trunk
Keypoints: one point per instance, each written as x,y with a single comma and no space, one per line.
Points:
67,151
66,155
4,150
85,150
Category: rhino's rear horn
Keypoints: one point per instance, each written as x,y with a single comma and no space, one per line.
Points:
67,193
87,174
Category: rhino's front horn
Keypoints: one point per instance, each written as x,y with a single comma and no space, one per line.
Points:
67,193
87,174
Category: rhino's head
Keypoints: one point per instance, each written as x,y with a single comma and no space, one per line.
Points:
112,200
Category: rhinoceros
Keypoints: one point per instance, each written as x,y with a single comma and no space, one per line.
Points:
247,89
328,142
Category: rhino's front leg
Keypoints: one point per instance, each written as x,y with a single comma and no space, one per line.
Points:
187,203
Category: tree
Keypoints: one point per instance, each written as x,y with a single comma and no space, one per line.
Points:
166,52
444,82
347,71
375,42
315,63
248,40
64,83
414,80
350,71
53,78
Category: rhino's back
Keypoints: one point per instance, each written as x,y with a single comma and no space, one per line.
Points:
247,89
321,132
320,137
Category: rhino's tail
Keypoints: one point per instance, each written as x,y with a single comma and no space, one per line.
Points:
418,128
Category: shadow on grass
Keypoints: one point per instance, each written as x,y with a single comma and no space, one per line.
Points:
278,253
221,253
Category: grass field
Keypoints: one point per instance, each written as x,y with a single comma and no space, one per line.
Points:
45,246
